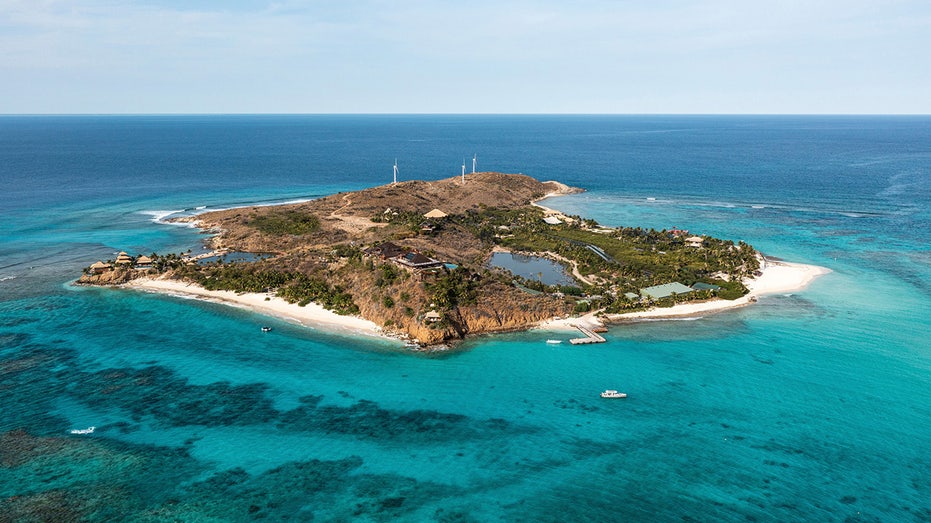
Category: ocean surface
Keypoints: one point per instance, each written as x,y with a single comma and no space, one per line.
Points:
809,406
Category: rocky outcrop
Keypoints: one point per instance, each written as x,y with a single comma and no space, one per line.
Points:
116,276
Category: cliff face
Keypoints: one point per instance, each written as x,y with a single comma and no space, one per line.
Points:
497,308
112,277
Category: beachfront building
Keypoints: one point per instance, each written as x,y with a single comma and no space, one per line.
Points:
100,267
665,290
143,262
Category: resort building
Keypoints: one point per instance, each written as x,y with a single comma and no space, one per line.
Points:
385,251
124,259
432,317
666,290
143,262
552,220
415,260
100,267
435,214
694,241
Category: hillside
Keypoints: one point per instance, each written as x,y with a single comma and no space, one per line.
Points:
413,257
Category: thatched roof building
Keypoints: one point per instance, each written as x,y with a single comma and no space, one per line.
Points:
435,213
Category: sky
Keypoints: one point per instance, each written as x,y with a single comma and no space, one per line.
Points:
503,56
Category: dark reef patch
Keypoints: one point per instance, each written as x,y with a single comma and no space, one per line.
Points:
160,393
18,447
366,419
330,490
53,505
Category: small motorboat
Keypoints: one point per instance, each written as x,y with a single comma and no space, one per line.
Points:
88,430
266,329
613,394
554,342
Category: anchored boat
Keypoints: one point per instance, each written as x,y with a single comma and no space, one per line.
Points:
613,394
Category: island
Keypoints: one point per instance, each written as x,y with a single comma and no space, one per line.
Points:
417,260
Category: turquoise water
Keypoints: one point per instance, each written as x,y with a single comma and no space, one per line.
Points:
808,406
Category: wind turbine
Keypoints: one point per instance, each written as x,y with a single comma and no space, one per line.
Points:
474,159
463,171
395,172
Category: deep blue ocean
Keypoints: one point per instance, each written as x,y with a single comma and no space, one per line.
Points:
810,406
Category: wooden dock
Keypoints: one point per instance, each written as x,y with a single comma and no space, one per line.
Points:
590,336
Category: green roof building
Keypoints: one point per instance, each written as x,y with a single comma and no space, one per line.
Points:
665,290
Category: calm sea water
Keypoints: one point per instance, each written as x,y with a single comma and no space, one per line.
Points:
810,406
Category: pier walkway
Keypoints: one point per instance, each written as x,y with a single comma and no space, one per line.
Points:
590,336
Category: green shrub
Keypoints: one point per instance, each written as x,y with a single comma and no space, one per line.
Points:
284,222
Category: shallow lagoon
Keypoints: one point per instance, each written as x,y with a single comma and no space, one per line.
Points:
532,268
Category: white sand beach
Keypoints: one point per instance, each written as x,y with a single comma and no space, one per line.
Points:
311,315
777,277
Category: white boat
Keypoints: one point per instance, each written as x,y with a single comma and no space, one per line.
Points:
266,329
613,394
88,430
554,342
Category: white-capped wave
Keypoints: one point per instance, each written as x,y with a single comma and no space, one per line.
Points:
669,318
5,278
159,216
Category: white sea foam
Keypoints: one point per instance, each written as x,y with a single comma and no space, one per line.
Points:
159,216
673,318
5,278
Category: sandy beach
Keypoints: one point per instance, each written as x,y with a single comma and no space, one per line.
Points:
311,315
777,277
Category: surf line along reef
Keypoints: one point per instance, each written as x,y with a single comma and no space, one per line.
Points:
411,259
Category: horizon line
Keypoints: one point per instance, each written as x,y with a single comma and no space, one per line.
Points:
451,114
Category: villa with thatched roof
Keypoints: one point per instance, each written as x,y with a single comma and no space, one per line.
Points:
143,262
432,317
435,213
100,267
124,259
